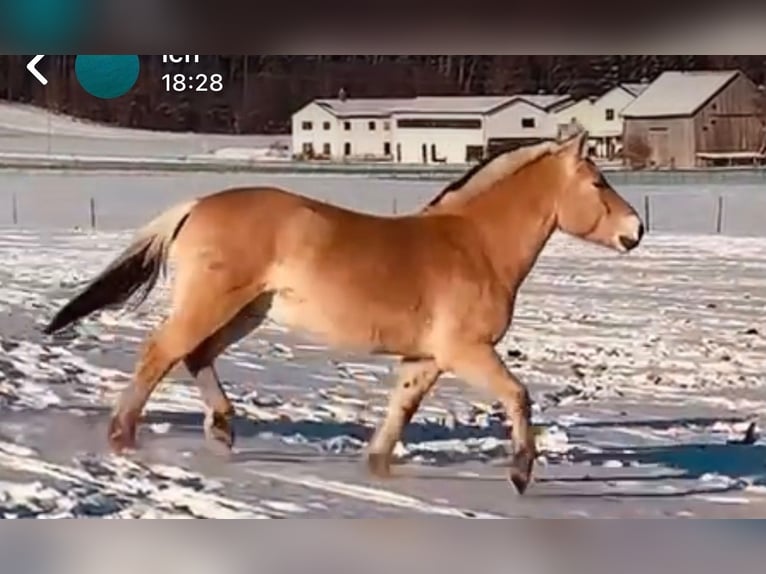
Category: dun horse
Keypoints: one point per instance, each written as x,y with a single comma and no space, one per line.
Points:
435,288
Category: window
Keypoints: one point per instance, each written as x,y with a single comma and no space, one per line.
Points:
308,149
473,153
347,148
326,149
386,125
306,126
326,125
609,113
386,148
438,123
527,122
371,125
347,126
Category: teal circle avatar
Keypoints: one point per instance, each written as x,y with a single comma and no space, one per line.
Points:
50,26
107,77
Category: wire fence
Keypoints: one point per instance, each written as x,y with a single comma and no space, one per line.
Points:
16,215
708,217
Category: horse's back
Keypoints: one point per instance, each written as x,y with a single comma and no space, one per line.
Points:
353,279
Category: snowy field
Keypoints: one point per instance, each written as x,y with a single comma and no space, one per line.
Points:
31,130
646,371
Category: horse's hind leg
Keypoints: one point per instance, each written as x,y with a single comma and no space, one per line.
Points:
218,407
197,313
415,378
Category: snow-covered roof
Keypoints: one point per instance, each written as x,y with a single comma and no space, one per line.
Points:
546,101
361,106
635,89
678,93
370,107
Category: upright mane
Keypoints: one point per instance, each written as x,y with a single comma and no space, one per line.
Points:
491,170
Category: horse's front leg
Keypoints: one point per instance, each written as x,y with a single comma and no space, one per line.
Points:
415,378
480,366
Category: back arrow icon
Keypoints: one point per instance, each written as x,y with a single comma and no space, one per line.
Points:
35,72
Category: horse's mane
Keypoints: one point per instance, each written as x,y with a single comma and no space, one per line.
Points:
490,170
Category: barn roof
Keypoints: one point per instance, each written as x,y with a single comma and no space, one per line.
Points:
447,104
420,104
635,89
547,102
370,107
678,93
360,107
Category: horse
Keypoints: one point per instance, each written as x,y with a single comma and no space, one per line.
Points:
434,288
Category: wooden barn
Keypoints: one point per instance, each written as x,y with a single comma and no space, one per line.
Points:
694,119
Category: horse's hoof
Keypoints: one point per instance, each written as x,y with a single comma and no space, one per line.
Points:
379,465
122,435
519,481
520,472
219,434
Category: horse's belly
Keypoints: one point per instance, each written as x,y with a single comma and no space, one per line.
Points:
343,323
291,311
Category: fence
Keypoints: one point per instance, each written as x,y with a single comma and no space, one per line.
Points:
655,210
719,211
15,219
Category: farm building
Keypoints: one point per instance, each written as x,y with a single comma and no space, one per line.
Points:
442,129
690,119
522,120
424,129
338,129
602,117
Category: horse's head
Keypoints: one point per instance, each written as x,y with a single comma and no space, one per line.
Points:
588,207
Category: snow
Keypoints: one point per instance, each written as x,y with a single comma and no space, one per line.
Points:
646,370
643,368
29,130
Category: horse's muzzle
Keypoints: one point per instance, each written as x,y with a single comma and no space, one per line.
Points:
630,243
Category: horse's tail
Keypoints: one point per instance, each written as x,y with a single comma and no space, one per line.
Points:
133,274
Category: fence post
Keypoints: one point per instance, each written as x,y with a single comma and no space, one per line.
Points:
92,213
647,214
394,207
14,209
719,215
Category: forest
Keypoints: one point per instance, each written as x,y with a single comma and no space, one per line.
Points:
261,92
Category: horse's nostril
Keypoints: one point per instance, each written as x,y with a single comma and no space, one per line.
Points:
629,242
640,231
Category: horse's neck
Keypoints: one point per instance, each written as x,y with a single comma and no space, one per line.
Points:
515,219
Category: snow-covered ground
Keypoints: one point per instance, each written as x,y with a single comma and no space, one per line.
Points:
646,371
26,129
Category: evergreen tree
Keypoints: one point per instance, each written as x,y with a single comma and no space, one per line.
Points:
261,92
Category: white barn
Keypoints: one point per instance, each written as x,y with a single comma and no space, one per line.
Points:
522,120
425,129
343,129
442,129
602,117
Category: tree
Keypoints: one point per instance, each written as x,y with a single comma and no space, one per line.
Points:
261,92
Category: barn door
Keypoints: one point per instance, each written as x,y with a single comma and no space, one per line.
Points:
660,146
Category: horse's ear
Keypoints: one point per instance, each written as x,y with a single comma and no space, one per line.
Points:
575,146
